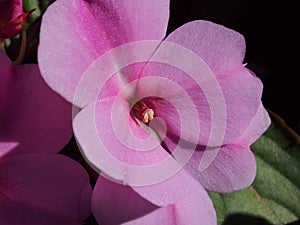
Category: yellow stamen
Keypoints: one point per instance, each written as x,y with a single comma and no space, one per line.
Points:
148,115
143,112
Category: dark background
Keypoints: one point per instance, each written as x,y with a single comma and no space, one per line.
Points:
270,29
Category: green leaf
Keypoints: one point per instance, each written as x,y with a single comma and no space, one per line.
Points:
32,4
275,193
219,205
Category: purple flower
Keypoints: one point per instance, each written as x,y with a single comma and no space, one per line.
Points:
37,187
191,92
43,189
33,118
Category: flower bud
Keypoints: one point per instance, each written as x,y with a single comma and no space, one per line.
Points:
11,18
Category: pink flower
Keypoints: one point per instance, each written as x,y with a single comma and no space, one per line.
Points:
194,94
33,118
12,16
37,187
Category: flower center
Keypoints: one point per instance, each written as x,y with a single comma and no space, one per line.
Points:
143,112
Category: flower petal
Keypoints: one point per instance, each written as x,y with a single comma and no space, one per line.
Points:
242,92
10,9
6,147
114,203
43,189
234,168
5,78
222,115
113,142
167,192
258,125
75,33
222,49
35,117
195,209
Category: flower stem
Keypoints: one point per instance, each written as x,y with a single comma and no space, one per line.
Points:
2,45
23,46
